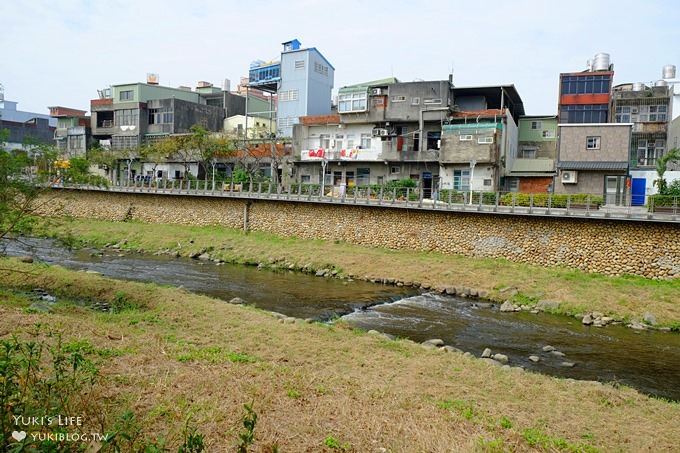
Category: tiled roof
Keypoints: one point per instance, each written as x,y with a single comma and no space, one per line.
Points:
588,165
320,119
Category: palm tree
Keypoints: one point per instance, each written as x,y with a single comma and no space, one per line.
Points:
673,155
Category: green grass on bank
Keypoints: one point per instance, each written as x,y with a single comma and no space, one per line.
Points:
626,298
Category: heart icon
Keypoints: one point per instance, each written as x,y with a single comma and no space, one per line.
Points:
19,435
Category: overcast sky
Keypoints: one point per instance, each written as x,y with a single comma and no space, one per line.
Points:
62,52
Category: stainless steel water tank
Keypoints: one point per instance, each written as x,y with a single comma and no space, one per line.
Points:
669,71
601,62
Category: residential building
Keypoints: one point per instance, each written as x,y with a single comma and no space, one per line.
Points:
302,80
478,138
673,82
73,132
584,96
593,159
26,129
648,108
383,130
126,116
532,170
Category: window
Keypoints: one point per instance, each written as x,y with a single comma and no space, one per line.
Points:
548,134
126,117
352,102
365,141
584,113
586,84
461,179
432,101
127,95
535,124
395,170
593,143
305,179
124,142
162,115
487,182
320,68
415,101
378,101
338,142
287,121
433,139
324,141
76,142
398,98
528,153
299,64
465,138
484,140
363,176
288,95
648,151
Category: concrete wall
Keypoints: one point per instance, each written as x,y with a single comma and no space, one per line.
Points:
608,247
614,142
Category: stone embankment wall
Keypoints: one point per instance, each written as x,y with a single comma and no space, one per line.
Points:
593,245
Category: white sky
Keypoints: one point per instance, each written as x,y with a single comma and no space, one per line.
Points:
62,52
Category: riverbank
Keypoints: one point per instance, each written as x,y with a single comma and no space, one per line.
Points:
630,299
167,356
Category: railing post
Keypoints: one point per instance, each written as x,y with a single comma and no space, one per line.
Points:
531,203
380,197
450,196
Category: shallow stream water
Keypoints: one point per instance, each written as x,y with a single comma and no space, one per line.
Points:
646,360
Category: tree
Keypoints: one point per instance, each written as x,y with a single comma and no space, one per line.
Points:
19,189
673,155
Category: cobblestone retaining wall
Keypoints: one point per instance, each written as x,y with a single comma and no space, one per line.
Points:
608,247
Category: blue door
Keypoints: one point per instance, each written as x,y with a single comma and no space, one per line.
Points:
638,191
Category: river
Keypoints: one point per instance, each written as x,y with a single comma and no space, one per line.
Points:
646,360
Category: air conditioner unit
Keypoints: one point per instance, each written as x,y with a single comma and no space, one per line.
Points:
384,132
379,132
376,91
569,177
634,110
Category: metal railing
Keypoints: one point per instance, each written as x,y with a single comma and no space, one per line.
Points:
509,203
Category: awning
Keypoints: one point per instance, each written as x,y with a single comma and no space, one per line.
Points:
592,165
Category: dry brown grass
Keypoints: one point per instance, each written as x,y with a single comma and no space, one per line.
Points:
309,382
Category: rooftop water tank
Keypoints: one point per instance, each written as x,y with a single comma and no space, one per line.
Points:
660,83
601,62
638,86
669,71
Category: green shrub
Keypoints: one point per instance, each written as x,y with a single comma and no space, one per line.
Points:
554,200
